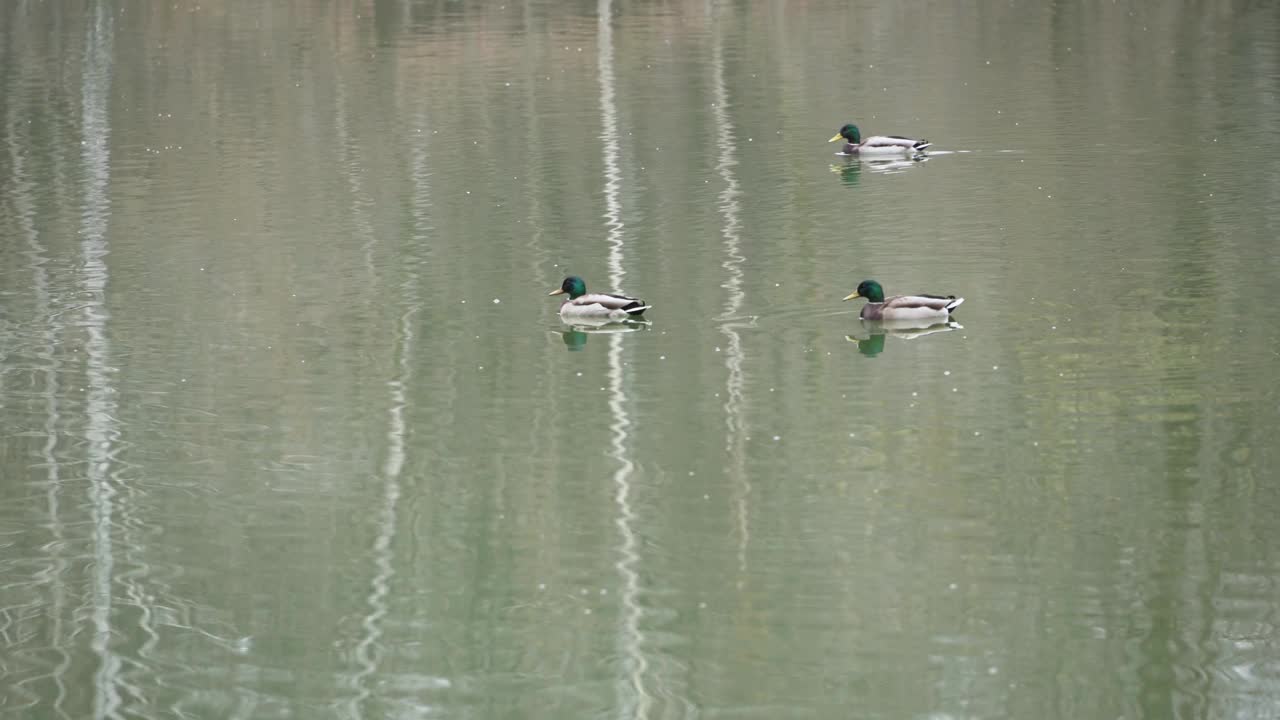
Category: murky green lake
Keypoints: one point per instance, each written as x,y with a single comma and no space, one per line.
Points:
292,430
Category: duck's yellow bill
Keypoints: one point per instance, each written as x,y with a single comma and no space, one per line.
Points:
851,296
557,291
837,137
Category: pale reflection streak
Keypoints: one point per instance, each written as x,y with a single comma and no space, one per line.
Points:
351,170
45,314
368,651
535,156
633,699
735,429
101,431
534,153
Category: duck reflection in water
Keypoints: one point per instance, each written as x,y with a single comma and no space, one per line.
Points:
877,330
851,168
576,335
849,171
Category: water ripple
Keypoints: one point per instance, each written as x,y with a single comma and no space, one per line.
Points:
48,314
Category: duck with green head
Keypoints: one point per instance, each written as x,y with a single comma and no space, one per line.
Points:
903,307
877,144
596,305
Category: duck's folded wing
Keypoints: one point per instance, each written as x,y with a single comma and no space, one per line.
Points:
924,302
609,301
889,141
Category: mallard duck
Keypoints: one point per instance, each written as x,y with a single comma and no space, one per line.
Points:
902,307
596,305
877,144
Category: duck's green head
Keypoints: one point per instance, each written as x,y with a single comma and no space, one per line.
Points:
849,132
869,289
572,285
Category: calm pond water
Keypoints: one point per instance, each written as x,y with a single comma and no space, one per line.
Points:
291,429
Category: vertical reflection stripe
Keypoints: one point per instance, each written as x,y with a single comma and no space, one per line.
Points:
633,699
735,430
101,431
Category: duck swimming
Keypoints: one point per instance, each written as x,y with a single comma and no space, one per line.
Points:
903,307
604,306
877,144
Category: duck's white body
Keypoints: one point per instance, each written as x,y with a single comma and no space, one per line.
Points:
602,306
911,308
887,145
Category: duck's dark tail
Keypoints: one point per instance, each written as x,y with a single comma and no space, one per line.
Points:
921,145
